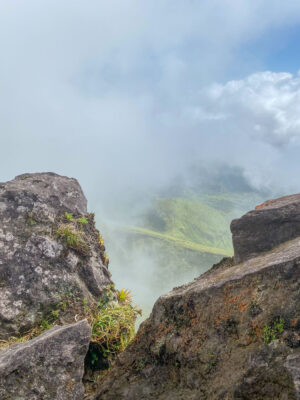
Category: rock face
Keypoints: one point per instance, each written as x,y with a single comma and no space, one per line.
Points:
233,333
270,224
48,367
50,252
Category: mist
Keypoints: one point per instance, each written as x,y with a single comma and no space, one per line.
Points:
132,97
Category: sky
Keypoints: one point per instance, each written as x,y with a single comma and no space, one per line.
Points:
125,96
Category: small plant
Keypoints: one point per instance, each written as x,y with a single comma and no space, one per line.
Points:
73,238
268,334
55,314
279,325
30,219
85,305
101,241
83,221
113,327
271,332
69,216
62,305
95,358
45,325
124,295
106,259
113,323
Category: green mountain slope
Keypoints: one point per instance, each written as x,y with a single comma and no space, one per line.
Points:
174,241
190,221
179,242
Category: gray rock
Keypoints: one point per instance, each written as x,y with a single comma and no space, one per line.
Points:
49,367
39,269
274,222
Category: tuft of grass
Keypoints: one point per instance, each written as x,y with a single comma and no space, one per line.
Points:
69,216
124,295
268,334
106,259
22,338
272,332
113,326
100,238
113,322
72,238
30,221
45,324
82,221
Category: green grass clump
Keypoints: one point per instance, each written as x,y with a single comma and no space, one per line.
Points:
30,219
47,323
113,324
82,220
72,238
271,332
124,295
69,216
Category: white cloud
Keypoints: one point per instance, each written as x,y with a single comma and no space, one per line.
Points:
253,123
264,106
120,94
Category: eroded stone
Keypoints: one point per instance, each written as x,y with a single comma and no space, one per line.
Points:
49,367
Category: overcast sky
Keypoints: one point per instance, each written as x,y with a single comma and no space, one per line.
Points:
126,94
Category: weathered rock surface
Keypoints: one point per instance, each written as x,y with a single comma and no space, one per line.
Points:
270,224
43,263
233,333
48,367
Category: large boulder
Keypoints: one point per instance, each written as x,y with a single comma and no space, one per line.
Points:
52,258
49,367
270,224
233,333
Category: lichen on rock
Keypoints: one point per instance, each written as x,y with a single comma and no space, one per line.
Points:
41,264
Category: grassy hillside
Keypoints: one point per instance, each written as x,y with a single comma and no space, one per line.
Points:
190,221
176,240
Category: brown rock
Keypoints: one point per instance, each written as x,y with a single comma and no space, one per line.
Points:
271,223
230,334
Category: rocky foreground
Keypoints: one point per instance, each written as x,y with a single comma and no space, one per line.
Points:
232,333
